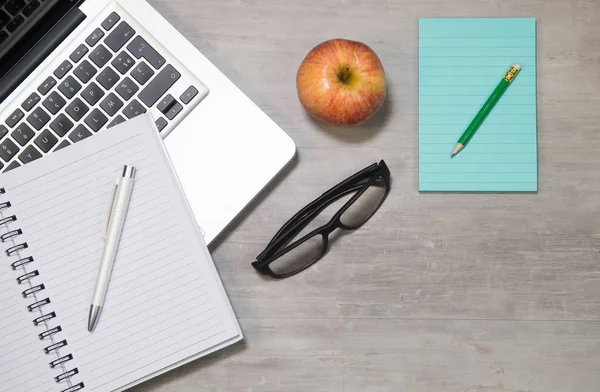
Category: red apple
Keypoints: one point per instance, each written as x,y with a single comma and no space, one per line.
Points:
341,82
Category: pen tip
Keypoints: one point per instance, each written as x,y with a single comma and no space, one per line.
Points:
93,317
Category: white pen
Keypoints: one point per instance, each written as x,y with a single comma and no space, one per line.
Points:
115,218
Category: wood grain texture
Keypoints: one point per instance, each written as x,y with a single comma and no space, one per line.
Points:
438,292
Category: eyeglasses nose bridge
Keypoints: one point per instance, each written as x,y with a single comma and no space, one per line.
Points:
331,226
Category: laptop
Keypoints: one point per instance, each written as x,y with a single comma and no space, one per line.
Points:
72,68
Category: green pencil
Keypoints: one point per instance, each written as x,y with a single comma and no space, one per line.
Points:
486,109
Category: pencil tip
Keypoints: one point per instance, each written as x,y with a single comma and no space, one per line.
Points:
457,149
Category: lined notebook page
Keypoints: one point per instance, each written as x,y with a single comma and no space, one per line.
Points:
23,364
165,302
461,61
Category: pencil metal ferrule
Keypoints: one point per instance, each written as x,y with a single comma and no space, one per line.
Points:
510,74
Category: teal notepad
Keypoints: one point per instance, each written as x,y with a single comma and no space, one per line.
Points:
461,61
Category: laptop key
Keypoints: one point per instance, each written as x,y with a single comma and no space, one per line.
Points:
77,109
78,53
61,125
119,36
174,110
159,85
30,102
93,38
45,141
63,144
133,109
46,85
107,78
140,48
14,118
3,36
79,133
165,104
3,131
13,7
111,104
100,56
15,23
92,93
4,19
117,120
63,69
126,89
22,134
54,102
85,71
38,118
8,149
142,73
29,154
30,8
96,120
188,95
161,123
123,62
13,165
69,87
110,21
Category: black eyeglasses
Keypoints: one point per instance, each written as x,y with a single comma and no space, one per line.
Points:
284,256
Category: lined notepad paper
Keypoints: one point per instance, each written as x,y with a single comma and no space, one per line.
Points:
461,61
165,304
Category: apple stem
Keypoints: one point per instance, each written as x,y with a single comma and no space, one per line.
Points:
344,73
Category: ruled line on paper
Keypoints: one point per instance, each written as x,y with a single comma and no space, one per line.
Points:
77,290
163,357
100,185
70,165
155,279
132,315
99,239
82,269
98,219
87,203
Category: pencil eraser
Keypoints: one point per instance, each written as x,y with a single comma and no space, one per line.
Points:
517,66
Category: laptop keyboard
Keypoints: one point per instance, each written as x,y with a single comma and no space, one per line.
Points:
112,76
13,14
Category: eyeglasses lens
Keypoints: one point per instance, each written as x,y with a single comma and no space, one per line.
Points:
299,257
365,206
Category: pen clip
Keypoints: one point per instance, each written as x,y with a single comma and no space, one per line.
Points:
111,202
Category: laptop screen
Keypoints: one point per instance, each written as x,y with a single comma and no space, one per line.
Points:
23,23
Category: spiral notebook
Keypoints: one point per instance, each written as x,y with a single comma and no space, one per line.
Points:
461,61
165,305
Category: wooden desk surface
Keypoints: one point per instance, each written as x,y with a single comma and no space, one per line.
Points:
486,293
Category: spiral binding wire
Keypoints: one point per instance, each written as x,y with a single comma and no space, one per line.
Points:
33,292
